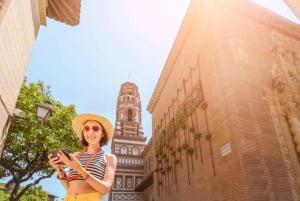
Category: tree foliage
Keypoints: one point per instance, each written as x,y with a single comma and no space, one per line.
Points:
32,194
35,194
24,157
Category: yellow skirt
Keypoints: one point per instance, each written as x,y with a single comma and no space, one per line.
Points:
84,197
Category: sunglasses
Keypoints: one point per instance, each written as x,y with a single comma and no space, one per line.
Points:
94,128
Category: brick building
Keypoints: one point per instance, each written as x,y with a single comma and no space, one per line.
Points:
146,184
225,110
128,144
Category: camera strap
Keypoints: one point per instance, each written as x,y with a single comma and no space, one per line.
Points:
86,164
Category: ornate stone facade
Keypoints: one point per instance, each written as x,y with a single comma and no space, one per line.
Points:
128,144
283,98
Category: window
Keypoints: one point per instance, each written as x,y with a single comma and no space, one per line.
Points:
129,114
123,150
135,151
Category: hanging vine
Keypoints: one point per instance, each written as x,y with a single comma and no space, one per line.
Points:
171,130
167,136
208,136
181,132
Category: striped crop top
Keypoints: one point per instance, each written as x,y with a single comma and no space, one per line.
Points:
96,165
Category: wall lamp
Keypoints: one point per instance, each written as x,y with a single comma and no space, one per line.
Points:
43,112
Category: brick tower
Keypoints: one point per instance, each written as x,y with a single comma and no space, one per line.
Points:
128,144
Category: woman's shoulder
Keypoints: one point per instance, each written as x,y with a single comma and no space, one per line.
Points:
110,157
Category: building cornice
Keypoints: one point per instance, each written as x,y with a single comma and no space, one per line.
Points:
43,11
129,141
267,18
66,11
247,9
182,35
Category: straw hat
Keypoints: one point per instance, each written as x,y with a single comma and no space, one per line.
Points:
79,120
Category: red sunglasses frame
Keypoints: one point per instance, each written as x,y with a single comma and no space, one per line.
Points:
95,128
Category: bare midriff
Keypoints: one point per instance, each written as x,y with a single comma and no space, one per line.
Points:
79,187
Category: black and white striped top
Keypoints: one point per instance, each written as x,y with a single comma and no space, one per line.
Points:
96,167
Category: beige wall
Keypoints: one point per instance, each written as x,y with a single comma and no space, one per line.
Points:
18,29
228,46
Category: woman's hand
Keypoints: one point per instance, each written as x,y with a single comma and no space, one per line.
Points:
71,161
54,162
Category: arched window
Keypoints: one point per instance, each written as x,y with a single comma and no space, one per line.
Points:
129,114
123,150
135,151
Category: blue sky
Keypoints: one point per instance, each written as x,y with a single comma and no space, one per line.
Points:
86,64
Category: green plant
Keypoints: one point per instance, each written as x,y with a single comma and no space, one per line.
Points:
34,140
190,151
185,146
192,129
197,136
208,136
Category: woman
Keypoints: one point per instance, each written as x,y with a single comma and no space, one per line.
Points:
91,172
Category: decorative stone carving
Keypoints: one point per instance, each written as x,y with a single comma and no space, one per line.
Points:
129,182
286,83
138,180
118,182
284,103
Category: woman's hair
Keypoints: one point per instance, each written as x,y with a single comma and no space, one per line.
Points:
103,140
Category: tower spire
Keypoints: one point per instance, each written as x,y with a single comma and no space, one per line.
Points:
129,76
128,144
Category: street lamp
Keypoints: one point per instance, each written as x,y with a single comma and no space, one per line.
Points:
43,111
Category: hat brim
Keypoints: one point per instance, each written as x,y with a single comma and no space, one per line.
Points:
79,120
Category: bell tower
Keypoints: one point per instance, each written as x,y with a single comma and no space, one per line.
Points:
127,144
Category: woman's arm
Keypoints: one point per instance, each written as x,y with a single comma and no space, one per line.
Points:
103,186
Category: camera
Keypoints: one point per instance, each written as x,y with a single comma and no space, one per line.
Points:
54,152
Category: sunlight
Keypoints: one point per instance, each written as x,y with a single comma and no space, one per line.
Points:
156,21
279,7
